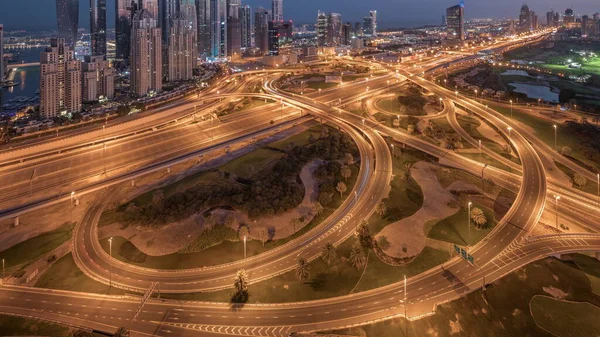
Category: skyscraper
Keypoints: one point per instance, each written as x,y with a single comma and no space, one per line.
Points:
261,26
246,26
373,15
203,27
218,28
455,22
234,30
151,6
60,80
188,9
98,26
368,25
146,54
357,29
181,48
585,21
273,38
569,16
277,10
321,28
1,53
346,33
98,78
67,18
524,19
167,9
124,13
550,19
334,29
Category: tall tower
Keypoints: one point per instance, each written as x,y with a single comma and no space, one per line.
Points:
146,55
218,28
60,80
166,13
180,51
203,27
98,26
321,28
524,19
373,15
277,10
261,26
188,9
151,6
334,29
67,15
123,16
1,53
246,26
455,22
234,30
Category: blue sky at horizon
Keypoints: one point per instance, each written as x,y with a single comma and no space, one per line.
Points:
41,14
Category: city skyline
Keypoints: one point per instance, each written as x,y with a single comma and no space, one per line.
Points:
392,15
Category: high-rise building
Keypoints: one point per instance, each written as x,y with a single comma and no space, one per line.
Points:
167,9
203,28
569,17
346,34
358,29
524,19
146,54
321,28
60,80
277,10
273,37
246,26
1,53
67,18
188,9
234,30
533,19
181,48
151,6
455,22
261,33
98,79
373,15
550,19
368,26
334,29
218,28
124,13
585,25
98,26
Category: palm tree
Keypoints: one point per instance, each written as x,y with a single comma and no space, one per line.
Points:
346,172
381,209
318,208
241,281
121,332
358,259
579,179
302,269
478,217
328,253
341,187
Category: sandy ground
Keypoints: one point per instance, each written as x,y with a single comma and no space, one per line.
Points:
490,133
409,233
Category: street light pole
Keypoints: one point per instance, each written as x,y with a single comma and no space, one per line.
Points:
110,262
469,222
511,109
556,198
244,246
405,305
509,129
2,271
555,130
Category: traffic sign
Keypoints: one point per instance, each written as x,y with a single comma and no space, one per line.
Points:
464,254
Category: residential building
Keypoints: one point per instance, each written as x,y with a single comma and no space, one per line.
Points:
373,15
234,30
60,80
455,22
246,26
181,49
146,55
321,28
261,26
277,10
98,79
98,26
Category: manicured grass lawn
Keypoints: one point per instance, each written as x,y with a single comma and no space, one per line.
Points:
470,125
316,85
108,217
299,139
591,267
566,319
31,249
18,326
590,187
502,310
455,229
254,103
65,275
246,165
544,130
390,105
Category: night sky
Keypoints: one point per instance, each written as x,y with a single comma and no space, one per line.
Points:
41,14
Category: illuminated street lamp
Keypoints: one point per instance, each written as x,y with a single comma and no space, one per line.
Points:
556,198
555,130
469,222
509,129
244,246
456,93
110,254
511,109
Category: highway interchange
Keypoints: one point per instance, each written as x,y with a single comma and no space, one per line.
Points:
508,246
